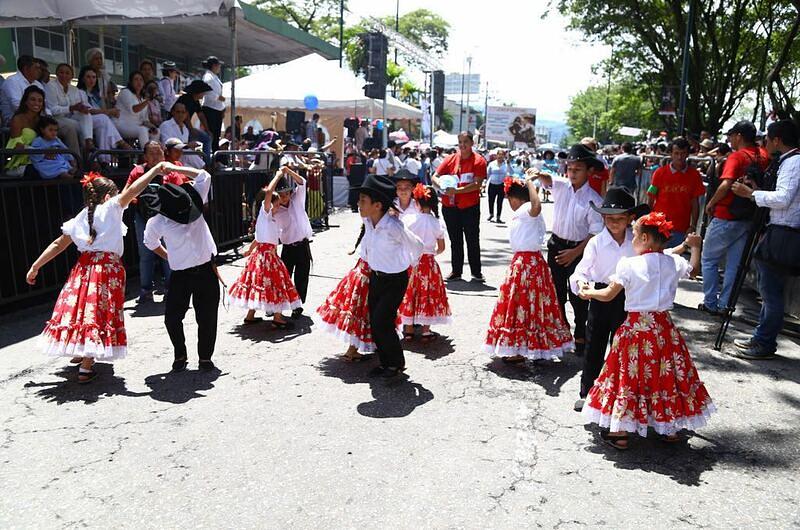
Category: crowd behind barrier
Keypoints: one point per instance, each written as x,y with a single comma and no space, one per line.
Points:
32,211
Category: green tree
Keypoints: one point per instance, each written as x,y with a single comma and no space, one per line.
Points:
446,121
733,43
622,105
318,17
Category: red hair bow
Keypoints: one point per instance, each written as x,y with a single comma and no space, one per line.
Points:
658,220
421,192
508,182
89,177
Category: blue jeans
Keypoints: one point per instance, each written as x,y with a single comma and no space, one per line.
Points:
723,239
199,135
770,321
147,259
675,239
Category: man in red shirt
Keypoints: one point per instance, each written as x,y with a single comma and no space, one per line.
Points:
461,206
675,190
598,180
726,235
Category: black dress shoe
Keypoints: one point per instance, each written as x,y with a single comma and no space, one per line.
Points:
179,365
580,348
297,312
478,278
206,365
578,406
452,277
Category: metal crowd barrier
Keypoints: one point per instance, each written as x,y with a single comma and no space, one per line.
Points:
6,154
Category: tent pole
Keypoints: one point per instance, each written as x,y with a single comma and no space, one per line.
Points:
125,45
234,64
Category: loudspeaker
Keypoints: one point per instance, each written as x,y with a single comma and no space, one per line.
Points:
438,96
294,120
376,47
356,178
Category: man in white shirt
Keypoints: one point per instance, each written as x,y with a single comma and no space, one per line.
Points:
75,126
296,233
783,137
311,130
412,164
191,257
28,72
574,224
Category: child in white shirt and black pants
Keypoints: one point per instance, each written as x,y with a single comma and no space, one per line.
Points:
600,258
191,257
390,249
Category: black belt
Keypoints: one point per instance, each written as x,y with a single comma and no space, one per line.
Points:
196,268
564,242
380,274
297,244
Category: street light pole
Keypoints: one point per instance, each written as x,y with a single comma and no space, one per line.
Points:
341,31
685,69
469,76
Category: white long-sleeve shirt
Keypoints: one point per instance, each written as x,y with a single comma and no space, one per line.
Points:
573,218
784,202
389,246
600,258
211,99
125,102
11,94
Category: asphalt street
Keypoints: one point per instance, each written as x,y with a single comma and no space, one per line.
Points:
286,435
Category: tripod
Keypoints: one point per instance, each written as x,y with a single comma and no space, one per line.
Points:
760,219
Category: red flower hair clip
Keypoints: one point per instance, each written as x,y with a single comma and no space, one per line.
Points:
89,177
421,192
659,221
507,183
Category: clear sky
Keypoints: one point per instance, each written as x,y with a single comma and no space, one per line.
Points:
527,60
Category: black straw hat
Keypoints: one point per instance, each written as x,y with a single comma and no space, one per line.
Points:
197,87
405,174
619,201
581,153
378,186
284,185
181,203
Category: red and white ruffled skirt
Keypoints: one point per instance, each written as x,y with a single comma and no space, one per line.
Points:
527,318
648,379
425,301
345,313
88,319
264,284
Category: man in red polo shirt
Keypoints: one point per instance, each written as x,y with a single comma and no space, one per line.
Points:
598,180
461,206
675,190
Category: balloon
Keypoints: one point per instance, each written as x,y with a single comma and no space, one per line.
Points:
311,102
379,125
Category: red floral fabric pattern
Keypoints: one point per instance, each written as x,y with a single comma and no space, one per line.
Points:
648,379
425,301
88,320
527,319
264,284
345,313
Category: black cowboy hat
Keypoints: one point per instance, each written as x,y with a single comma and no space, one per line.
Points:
284,185
619,201
380,186
197,87
581,153
181,203
211,61
404,174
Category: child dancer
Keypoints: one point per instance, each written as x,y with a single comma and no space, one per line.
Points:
405,204
425,301
598,264
345,313
526,322
264,284
88,321
389,249
648,379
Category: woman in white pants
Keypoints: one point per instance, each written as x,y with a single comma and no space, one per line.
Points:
106,135
133,113
64,103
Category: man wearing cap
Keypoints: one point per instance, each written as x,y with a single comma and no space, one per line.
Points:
179,221
213,100
726,234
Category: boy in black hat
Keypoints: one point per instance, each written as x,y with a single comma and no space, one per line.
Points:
180,222
599,262
574,224
389,249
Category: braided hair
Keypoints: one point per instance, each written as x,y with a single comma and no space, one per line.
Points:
93,193
358,240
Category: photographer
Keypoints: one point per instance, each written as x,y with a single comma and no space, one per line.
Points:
133,121
778,253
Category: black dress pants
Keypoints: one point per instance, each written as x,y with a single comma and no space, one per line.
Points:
604,319
198,284
297,258
386,293
214,120
496,195
464,224
561,276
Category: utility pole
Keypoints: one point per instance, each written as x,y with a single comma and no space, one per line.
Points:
685,69
469,75
341,31
461,105
486,117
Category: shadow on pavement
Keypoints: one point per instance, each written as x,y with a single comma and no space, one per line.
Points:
263,331
686,462
550,375
471,287
181,387
67,389
147,309
440,347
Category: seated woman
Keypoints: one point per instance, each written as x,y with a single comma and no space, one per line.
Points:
154,100
105,132
23,128
133,121
54,165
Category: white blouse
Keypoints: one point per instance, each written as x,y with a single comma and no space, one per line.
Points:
58,101
107,223
412,209
527,233
428,228
211,99
651,280
267,230
125,102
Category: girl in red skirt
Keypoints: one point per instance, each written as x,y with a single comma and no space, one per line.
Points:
526,322
345,313
425,301
88,322
648,379
264,284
